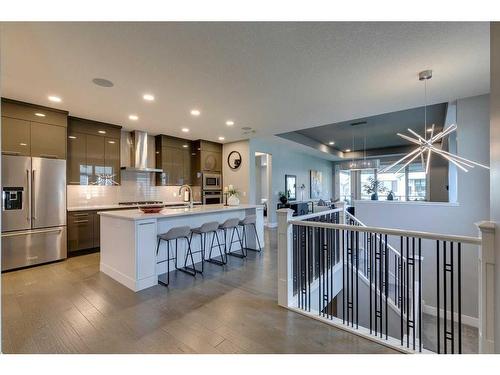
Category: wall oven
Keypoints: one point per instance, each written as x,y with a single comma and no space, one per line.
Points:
212,181
212,197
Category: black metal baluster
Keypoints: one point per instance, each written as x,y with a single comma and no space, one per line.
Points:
375,279
343,277
351,288
401,307
381,281
452,292
459,281
413,291
420,294
309,266
370,259
357,279
437,299
407,293
386,268
445,315
321,285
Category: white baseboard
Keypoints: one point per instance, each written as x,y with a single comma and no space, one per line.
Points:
466,319
271,225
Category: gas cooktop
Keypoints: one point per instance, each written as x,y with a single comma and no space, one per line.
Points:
139,203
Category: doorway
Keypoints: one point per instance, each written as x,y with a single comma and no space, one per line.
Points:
263,183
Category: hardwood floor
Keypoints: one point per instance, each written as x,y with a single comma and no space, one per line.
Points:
70,307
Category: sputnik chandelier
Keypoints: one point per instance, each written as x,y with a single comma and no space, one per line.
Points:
425,146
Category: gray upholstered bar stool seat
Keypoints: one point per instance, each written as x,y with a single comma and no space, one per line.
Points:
176,234
232,225
250,220
206,229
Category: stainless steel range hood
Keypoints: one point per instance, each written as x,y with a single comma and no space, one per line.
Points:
141,149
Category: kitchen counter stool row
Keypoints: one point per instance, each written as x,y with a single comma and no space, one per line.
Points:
232,228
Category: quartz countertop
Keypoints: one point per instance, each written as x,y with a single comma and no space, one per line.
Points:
114,206
173,212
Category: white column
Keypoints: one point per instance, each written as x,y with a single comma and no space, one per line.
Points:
487,305
285,246
341,205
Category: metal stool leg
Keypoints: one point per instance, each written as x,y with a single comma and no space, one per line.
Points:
221,262
167,260
234,254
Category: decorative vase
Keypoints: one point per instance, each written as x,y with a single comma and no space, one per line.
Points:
390,196
233,200
283,199
374,197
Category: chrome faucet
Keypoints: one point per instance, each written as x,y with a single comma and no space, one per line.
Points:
191,204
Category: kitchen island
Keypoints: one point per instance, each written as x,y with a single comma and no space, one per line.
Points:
129,239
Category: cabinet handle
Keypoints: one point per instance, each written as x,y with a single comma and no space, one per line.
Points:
74,182
50,156
11,153
81,214
80,221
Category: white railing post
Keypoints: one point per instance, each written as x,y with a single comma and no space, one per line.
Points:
285,246
486,269
341,205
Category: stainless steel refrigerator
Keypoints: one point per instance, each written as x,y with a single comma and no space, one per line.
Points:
33,211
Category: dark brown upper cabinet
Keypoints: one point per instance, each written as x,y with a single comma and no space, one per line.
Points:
210,156
93,150
32,130
173,155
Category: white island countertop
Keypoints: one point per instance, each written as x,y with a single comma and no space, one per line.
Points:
114,206
137,214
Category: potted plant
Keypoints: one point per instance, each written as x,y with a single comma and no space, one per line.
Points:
283,197
373,188
232,196
390,196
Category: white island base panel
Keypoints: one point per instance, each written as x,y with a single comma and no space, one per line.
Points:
129,240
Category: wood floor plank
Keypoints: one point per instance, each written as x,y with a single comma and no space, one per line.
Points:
71,307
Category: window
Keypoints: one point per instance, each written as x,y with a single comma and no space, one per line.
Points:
365,174
392,182
345,186
417,182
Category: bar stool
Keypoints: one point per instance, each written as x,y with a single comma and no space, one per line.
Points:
232,224
206,229
176,234
250,220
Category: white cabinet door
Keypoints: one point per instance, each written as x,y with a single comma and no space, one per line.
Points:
146,249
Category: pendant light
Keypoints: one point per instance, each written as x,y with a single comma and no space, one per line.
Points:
425,146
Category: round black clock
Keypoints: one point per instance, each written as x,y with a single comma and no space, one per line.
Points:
234,160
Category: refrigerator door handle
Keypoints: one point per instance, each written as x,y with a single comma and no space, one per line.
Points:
33,213
29,232
28,193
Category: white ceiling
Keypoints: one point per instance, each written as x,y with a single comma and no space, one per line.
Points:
274,77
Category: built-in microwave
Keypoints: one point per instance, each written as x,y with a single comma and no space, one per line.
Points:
212,181
212,197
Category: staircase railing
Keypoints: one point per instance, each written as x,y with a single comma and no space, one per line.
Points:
340,271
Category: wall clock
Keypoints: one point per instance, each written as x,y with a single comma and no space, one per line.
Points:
234,160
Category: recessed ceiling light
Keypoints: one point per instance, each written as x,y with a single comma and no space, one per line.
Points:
195,112
133,117
148,97
331,143
103,82
229,123
348,150
22,144
71,137
55,99
40,114
185,130
185,146
112,142
221,138
101,131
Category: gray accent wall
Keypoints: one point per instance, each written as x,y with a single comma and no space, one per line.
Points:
287,159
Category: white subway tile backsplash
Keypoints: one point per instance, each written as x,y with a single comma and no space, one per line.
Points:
134,187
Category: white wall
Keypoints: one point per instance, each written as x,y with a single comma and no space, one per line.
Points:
239,178
473,202
495,163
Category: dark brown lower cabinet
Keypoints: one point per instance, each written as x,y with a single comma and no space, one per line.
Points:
81,230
